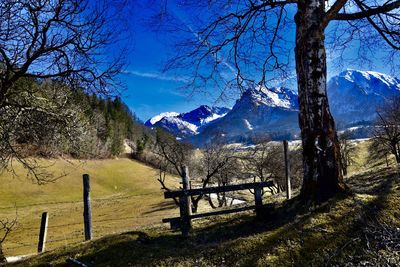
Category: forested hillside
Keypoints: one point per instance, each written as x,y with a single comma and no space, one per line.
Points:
113,121
49,119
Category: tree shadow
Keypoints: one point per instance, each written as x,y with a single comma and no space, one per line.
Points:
332,234
161,206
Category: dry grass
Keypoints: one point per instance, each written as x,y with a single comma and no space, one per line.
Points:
334,234
125,196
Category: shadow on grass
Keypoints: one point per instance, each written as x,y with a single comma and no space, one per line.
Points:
289,235
162,206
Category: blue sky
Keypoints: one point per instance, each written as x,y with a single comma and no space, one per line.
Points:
150,91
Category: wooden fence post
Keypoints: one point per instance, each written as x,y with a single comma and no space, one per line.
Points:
287,170
43,232
87,212
184,204
258,200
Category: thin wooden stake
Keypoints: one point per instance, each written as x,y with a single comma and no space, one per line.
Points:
287,170
43,232
184,204
258,200
87,211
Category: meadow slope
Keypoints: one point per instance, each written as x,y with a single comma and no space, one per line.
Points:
125,196
361,229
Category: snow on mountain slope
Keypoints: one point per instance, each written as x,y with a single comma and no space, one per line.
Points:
355,96
279,97
160,116
187,124
370,79
259,111
273,97
177,126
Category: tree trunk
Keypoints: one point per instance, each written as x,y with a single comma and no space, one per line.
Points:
344,168
387,161
2,257
396,153
321,149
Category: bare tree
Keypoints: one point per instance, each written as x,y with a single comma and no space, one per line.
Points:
62,40
172,157
176,154
46,42
42,118
264,161
378,151
252,40
219,165
59,44
216,163
6,226
347,151
387,127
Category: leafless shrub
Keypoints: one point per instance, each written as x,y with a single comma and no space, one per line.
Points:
347,151
216,164
6,227
265,161
219,165
387,127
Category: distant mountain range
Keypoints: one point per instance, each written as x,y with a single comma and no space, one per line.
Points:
185,125
354,97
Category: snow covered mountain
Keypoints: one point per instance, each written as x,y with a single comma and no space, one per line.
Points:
354,97
258,112
184,125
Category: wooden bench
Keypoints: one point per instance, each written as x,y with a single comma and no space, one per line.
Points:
183,222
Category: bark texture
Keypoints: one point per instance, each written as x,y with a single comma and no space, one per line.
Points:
2,257
321,149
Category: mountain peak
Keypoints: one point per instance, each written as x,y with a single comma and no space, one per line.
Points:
355,95
273,97
372,78
159,117
188,123
203,114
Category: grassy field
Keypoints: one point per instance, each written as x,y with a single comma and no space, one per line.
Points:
125,196
360,229
128,207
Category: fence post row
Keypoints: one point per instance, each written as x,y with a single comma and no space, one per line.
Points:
287,170
184,204
87,212
43,232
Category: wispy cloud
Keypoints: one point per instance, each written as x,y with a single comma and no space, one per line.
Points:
157,75
206,43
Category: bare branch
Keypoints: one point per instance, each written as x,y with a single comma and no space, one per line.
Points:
6,227
387,7
333,12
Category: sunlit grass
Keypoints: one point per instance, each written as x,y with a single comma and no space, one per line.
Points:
332,234
125,195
